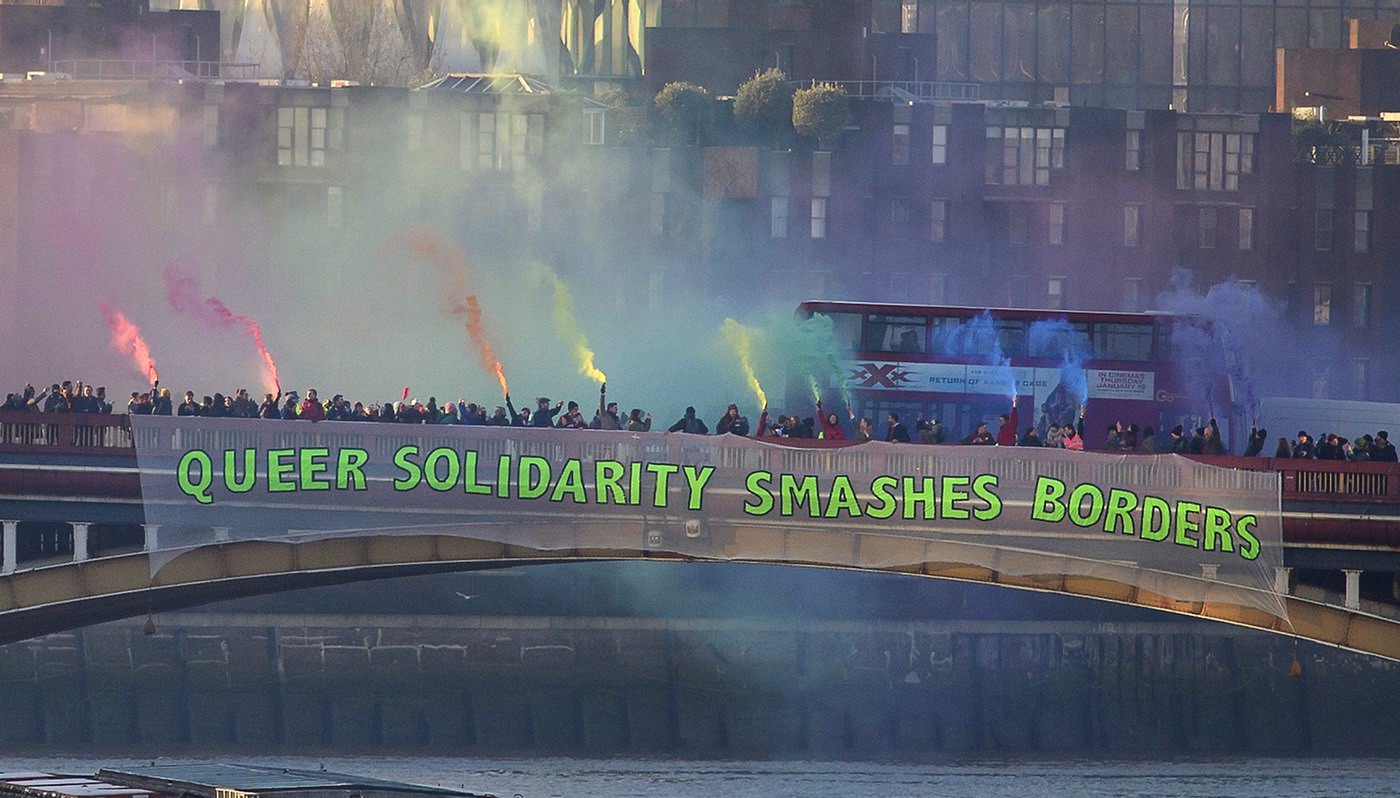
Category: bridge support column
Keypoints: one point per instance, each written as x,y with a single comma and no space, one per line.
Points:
80,541
9,548
1353,599
152,536
1283,576
1210,570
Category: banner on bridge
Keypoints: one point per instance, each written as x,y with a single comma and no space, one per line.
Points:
1172,527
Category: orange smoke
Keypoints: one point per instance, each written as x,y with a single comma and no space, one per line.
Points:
184,295
423,243
126,339
484,352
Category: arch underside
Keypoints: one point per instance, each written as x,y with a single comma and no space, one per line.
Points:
72,595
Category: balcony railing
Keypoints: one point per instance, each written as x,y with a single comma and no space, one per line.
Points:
137,69
923,90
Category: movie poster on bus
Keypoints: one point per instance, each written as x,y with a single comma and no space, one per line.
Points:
1121,384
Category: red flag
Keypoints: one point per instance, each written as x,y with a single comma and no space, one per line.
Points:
405,393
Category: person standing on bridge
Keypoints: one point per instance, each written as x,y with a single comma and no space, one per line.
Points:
544,414
1383,451
1006,433
1303,447
689,423
731,423
311,409
896,431
1212,443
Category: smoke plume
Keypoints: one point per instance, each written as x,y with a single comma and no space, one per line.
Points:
127,339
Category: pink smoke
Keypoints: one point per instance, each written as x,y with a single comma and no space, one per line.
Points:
183,294
126,339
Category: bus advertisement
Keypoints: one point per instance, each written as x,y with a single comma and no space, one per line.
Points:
964,366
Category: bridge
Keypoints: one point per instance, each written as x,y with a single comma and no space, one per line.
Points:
80,546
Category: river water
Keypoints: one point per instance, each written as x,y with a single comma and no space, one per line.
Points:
640,778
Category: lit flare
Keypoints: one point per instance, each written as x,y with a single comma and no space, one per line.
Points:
740,339
126,339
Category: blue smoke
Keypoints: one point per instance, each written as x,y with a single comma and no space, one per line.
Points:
1058,338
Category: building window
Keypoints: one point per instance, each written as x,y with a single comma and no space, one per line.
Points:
291,141
486,141
1132,225
899,148
534,210
211,125
1132,294
899,219
658,213
1246,240
1322,230
818,217
940,144
938,220
1017,222
466,142
335,203
937,288
1322,304
1055,293
597,126
909,16
1361,239
1320,387
1026,155
1360,376
821,174
656,290
1361,305
1210,220
1133,156
1213,161
211,203
778,216
1057,223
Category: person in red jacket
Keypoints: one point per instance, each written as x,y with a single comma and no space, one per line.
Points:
1006,433
311,409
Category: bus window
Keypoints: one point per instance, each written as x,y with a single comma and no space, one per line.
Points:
1011,333
894,333
947,340
1122,341
845,329
1058,339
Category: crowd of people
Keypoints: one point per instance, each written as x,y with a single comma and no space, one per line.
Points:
77,397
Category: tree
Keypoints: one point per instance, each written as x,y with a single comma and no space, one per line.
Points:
821,111
683,105
765,101
355,40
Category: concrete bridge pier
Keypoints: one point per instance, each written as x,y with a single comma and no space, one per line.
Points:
1353,594
152,537
9,547
80,540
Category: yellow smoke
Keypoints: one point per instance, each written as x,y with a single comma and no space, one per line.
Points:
740,338
566,325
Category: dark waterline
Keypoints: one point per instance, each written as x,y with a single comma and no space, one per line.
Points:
638,778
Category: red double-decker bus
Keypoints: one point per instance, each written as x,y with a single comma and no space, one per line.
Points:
962,365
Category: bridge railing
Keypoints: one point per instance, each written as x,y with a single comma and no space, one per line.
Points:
87,435
64,433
